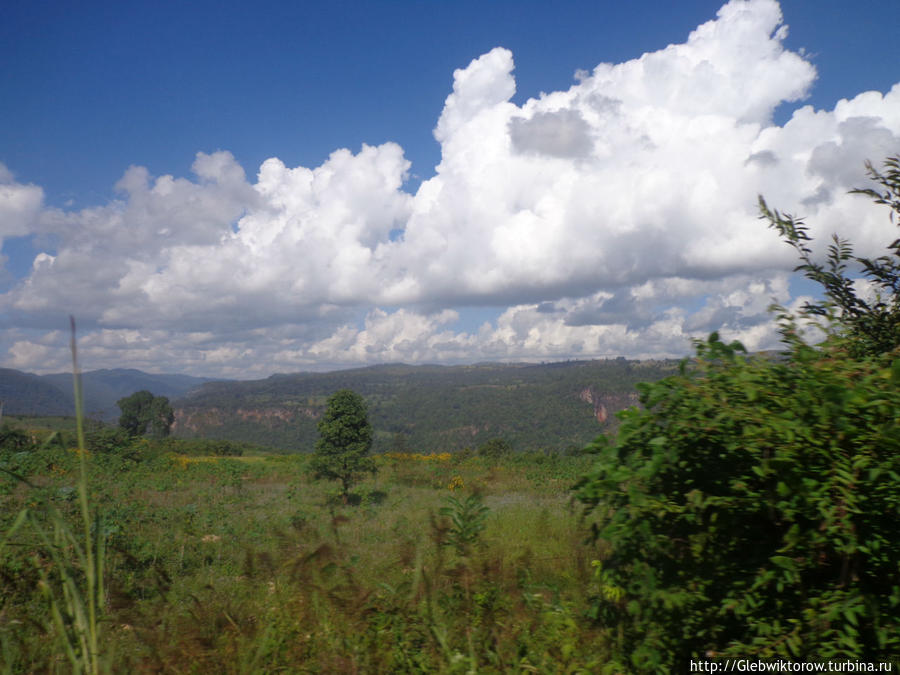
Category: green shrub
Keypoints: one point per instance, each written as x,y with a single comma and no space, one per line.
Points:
496,448
14,440
466,522
751,508
112,440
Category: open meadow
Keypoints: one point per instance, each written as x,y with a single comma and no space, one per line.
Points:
243,564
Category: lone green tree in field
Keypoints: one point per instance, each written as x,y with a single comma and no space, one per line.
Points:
144,413
345,438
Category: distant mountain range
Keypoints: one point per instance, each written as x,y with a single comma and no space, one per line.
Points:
549,406
29,394
427,408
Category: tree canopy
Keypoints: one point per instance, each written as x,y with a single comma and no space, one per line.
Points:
146,414
345,438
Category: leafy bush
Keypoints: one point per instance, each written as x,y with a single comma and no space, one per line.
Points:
496,448
467,521
112,440
751,506
14,440
870,326
23,455
197,447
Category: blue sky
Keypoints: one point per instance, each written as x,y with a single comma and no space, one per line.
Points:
92,88
194,273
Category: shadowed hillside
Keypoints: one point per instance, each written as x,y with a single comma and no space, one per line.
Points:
29,394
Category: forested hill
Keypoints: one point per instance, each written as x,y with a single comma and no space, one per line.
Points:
427,408
29,394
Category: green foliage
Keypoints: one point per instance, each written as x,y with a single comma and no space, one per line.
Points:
106,439
751,508
144,413
436,409
345,438
467,521
870,326
207,447
495,448
14,440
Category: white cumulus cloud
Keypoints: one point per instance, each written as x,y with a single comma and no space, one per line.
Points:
617,216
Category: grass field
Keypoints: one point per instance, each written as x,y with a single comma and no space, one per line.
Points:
244,564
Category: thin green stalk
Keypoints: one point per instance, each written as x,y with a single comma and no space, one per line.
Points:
74,609
93,573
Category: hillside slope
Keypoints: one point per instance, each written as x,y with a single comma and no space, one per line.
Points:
102,388
427,408
29,394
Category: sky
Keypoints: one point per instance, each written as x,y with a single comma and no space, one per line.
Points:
227,190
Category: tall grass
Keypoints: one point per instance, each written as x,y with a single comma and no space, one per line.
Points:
70,565
246,565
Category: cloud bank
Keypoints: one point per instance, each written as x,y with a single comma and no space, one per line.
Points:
617,217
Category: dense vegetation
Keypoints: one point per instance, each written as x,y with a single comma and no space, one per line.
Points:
750,507
28,394
143,413
429,408
245,565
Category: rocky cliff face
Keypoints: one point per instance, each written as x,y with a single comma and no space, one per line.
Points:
606,404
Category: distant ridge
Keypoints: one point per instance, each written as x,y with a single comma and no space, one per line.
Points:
428,408
30,394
